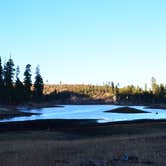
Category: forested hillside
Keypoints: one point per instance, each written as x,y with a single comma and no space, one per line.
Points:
110,93
16,91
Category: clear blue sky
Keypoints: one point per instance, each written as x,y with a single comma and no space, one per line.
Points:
87,41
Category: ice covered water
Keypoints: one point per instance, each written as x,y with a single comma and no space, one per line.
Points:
89,112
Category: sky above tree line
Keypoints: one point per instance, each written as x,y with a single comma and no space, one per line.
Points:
86,41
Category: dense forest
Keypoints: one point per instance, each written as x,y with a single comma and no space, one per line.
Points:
15,91
108,93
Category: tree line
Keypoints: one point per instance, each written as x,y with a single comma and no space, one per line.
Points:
109,92
15,91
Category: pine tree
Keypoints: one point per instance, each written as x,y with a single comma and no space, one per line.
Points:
113,87
155,87
1,82
9,72
38,85
1,74
19,87
27,81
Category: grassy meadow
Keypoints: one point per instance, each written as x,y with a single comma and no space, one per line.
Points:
143,143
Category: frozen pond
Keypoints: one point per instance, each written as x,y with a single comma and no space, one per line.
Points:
89,112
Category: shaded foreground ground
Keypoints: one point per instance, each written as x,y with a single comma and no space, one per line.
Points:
11,112
134,143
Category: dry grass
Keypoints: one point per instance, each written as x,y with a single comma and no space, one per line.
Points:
126,110
50,148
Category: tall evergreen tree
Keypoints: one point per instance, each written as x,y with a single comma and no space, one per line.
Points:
19,87
113,87
9,72
1,82
155,87
27,81
1,74
38,85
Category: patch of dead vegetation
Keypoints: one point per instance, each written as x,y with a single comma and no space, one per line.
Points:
126,110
